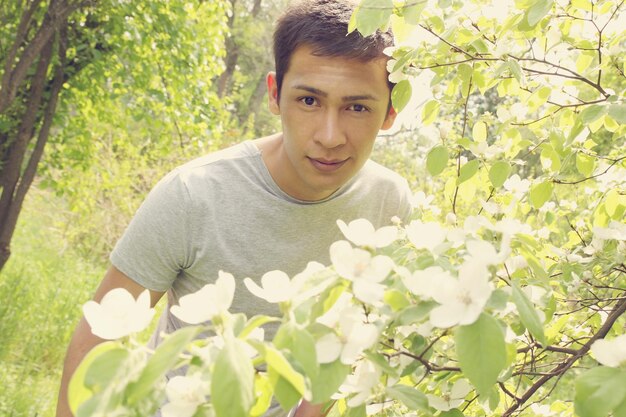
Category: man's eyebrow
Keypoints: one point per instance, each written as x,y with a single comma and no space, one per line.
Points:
321,93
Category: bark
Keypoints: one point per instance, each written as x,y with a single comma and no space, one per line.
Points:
14,76
256,101
232,55
23,147
9,220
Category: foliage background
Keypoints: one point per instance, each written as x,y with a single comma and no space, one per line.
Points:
155,92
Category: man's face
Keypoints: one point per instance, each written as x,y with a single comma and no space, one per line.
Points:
331,110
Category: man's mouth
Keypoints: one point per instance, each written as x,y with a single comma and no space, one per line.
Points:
327,165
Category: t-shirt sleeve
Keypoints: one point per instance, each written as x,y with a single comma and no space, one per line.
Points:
155,246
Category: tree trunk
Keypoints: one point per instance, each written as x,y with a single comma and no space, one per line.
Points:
29,98
232,55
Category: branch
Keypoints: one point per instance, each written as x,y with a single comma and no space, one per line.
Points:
615,161
564,366
458,166
456,48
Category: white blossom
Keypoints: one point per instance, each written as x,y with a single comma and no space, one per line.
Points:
515,263
304,284
451,399
483,252
354,337
610,352
276,287
365,272
362,233
118,314
426,235
332,316
422,201
210,301
473,223
360,383
424,282
615,231
461,300
517,186
185,394
542,410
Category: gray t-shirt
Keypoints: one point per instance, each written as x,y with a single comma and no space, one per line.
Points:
225,212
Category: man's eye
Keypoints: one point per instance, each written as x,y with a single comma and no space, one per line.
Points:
309,101
359,108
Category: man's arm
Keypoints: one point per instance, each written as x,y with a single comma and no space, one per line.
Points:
83,340
306,409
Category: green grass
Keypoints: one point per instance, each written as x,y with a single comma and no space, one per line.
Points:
42,289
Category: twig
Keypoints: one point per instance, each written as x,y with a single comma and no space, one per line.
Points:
560,369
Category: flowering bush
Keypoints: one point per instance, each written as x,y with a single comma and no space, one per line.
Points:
432,328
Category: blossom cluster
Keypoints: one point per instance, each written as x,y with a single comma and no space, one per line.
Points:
452,274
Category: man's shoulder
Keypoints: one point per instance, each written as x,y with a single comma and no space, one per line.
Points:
230,155
373,171
227,167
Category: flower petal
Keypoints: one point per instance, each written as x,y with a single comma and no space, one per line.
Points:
328,348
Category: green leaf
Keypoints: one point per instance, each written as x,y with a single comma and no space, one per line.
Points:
481,351
600,391
516,70
277,362
618,112
468,171
583,61
430,112
358,411
106,368
538,11
284,392
437,160
163,359
528,314
78,393
479,132
499,172
254,322
592,113
328,380
540,194
263,394
582,4
415,314
409,396
396,300
381,362
401,95
550,159
585,164
232,382
300,344
455,412
372,15
413,11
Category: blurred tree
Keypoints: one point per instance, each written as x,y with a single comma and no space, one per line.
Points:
117,65
34,39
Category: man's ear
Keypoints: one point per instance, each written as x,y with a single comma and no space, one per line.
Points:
389,119
272,93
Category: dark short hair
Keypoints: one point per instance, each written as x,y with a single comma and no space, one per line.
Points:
323,25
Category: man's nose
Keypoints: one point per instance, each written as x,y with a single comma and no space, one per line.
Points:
329,131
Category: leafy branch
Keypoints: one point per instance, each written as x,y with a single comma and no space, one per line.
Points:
562,367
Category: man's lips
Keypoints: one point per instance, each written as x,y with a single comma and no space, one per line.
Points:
327,165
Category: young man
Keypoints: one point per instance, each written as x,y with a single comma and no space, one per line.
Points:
271,203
